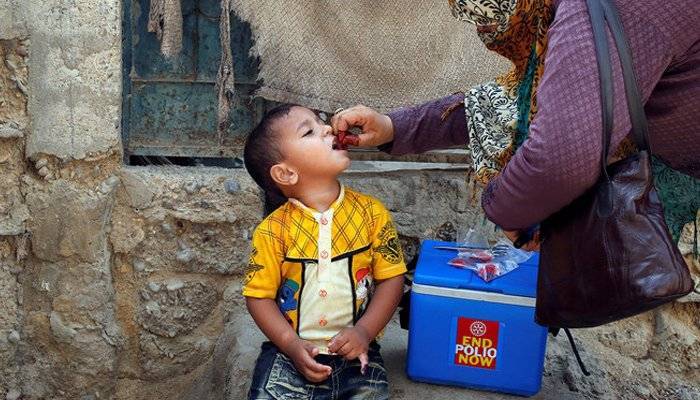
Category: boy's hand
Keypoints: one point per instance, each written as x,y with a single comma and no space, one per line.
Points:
302,354
350,342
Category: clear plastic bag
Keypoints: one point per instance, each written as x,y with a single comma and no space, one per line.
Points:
489,262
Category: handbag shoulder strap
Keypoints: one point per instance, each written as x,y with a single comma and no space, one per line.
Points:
640,128
600,11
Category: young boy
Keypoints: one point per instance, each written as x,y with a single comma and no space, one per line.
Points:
316,262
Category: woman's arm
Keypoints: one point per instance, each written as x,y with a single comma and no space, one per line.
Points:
437,124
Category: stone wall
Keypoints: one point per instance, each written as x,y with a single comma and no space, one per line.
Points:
122,282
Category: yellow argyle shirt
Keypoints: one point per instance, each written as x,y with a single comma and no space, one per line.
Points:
320,267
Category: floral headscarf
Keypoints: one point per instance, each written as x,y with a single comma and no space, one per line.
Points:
499,113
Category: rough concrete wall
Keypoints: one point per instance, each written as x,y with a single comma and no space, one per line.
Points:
74,76
59,146
13,211
180,238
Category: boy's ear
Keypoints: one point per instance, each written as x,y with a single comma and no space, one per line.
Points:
284,175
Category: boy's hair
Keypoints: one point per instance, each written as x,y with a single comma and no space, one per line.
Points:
262,151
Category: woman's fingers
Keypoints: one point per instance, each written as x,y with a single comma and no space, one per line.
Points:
512,235
377,128
532,245
346,119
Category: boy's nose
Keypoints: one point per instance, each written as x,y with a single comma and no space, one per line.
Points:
327,130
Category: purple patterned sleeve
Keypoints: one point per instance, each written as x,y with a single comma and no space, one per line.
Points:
421,128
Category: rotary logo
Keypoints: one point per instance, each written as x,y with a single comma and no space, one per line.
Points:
478,328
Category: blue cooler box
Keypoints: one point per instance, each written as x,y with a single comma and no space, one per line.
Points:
467,332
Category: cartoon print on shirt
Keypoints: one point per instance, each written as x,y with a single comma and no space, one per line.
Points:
363,288
285,298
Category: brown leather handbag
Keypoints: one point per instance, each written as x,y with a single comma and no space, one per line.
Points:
609,255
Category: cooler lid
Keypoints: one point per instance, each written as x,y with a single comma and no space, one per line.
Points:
432,269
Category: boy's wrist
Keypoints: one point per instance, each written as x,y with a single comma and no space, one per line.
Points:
364,331
289,343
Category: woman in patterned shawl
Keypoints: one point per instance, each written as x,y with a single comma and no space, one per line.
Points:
548,108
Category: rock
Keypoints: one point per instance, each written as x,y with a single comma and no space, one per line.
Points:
167,228
43,171
5,156
13,220
10,130
139,192
13,394
154,287
139,265
233,297
175,284
126,232
109,184
643,391
185,255
62,332
162,358
41,163
232,186
178,310
192,187
67,222
13,336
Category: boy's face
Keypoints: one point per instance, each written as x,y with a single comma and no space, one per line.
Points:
306,143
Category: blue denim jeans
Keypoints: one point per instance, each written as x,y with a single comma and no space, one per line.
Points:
275,377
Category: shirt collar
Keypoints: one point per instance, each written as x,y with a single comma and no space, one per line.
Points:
317,214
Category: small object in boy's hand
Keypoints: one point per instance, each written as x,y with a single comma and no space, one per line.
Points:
364,361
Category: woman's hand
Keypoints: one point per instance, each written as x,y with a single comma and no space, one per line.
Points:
532,245
377,129
302,354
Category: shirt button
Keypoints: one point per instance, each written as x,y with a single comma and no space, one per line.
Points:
322,293
322,322
324,221
324,254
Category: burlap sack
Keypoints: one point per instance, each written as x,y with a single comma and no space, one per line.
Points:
384,54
